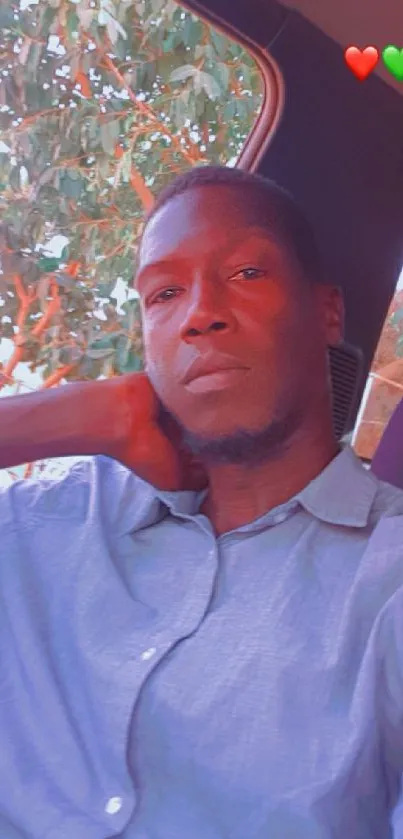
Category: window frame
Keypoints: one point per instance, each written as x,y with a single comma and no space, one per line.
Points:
271,112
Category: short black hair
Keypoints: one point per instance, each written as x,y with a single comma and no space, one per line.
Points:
284,215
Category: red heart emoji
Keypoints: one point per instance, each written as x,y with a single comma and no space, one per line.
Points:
361,62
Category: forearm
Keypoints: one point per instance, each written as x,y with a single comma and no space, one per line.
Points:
70,420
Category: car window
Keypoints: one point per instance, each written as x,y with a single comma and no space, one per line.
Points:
384,386
101,104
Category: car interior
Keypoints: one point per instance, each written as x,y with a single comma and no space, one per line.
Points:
336,143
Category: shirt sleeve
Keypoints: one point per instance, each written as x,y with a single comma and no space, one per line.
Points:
25,501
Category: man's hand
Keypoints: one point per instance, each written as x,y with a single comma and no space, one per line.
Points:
157,456
117,417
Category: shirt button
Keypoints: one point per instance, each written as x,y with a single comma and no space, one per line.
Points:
148,653
113,805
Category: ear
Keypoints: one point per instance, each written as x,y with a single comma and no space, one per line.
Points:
331,305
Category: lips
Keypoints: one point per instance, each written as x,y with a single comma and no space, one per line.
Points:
205,366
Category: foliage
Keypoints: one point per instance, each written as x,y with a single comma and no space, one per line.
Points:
386,381
101,103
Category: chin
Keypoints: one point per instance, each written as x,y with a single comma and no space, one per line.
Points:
231,444
246,442
216,425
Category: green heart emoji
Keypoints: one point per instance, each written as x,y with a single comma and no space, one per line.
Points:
393,61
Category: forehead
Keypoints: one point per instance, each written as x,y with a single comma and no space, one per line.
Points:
205,219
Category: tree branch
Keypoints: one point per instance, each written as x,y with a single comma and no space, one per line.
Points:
137,181
58,375
26,302
149,113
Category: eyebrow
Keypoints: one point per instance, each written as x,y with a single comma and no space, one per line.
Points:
263,234
167,263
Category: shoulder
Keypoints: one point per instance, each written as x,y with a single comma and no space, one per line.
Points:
97,486
386,520
388,500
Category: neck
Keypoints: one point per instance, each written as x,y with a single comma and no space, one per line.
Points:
239,494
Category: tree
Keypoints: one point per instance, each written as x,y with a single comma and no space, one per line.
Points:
386,382
101,103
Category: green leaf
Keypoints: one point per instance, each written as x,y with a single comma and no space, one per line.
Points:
224,75
35,55
11,263
246,76
171,9
46,176
109,135
6,17
6,330
128,361
171,42
85,368
229,111
30,271
115,29
71,187
106,286
210,85
397,317
15,178
151,72
72,24
49,264
120,49
105,343
99,353
47,20
65,280
157,5
179,112
220,42
70,355
192,32
182,73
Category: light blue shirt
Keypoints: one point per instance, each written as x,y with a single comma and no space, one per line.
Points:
157,682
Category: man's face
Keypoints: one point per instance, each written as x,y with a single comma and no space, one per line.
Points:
219,290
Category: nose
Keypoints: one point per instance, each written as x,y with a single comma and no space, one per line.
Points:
207,310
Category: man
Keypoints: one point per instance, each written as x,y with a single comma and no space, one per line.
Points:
200,633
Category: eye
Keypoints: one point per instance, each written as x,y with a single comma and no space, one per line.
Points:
163,296
249,273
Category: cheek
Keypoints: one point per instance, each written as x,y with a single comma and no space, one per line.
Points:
268,326
160,356
155,343
263,310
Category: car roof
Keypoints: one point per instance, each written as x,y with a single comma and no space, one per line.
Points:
358,22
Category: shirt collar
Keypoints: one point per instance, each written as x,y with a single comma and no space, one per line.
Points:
342,494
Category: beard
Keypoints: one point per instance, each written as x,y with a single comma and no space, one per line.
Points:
240,447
